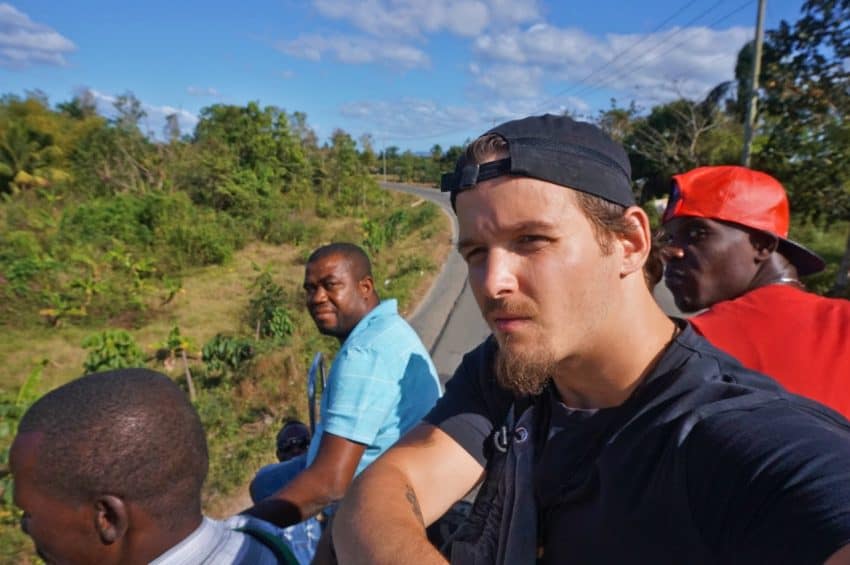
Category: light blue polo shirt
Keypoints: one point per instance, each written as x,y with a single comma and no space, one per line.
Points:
381,384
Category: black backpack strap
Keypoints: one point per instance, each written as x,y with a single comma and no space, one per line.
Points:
476,540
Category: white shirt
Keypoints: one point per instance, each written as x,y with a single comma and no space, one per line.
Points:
218,543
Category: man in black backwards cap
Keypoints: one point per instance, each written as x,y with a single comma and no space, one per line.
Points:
603,431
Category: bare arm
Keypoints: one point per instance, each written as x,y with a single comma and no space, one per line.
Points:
384,515
323,482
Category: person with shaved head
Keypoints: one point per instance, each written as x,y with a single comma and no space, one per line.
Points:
108,468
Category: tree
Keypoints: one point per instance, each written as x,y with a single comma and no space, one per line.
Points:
303,131
806,101
367,153
675,137
618,122
129,110
344,168
83,105
267,153
171,130
450,157
32,141
266,313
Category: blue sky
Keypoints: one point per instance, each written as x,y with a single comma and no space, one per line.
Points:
411,73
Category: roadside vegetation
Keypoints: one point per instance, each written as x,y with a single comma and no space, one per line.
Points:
185,256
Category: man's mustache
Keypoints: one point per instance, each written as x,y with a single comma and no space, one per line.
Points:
519,308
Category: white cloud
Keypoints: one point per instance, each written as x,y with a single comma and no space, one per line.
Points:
419,122
354,50
417,18
518,81
395,120
391,28
664,65
287,74
200,91
24,43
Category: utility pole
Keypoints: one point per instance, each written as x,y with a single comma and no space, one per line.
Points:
752,101
384,155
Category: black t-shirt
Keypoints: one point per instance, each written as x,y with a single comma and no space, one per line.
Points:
707,462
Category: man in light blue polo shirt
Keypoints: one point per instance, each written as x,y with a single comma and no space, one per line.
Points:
382,382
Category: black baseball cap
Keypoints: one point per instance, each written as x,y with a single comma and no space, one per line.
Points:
555,149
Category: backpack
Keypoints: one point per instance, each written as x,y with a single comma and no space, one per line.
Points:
477,539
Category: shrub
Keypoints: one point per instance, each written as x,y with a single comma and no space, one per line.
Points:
111,349
421,216
291,229
200,244
382,232
187,235
100,221
266,314
223,354
22,261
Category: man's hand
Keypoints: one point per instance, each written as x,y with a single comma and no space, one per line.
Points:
384,514
323,482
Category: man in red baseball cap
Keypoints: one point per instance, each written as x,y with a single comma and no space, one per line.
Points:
727,250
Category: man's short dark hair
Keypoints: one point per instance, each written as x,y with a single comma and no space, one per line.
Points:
130,433
359,261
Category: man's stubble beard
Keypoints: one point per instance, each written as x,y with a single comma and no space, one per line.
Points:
520,368
524,372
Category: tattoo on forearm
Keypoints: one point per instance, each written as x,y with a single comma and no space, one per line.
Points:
414,503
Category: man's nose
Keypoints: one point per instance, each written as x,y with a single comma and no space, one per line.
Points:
672,252
497,276
316,296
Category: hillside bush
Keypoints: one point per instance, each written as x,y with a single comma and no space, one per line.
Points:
223,355
111,349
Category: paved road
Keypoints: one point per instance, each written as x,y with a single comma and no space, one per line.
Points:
448,319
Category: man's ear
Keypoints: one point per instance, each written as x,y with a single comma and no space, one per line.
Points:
764,244
635,242
110,520
366,285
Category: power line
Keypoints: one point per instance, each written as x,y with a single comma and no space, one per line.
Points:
591,88
619,66
667,20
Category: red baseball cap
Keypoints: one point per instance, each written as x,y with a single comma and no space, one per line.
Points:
742,196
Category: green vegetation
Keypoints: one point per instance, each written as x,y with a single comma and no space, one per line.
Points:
265,311
223,355
111,349
117,250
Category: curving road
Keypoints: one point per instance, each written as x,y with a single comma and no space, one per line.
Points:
448,319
